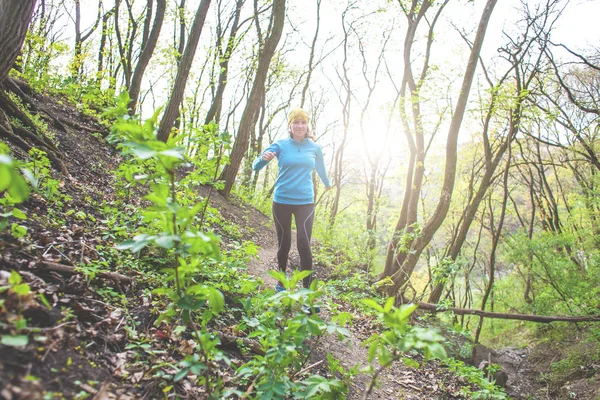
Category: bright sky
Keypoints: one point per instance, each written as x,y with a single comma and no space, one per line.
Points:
576,28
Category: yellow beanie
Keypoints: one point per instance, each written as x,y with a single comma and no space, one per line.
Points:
297,114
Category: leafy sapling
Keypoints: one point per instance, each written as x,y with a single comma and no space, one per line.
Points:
398,338
172,225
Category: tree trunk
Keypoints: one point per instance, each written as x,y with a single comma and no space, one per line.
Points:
172,109
103,39
15,17
214,113
415,137
434,222
147,51
251,112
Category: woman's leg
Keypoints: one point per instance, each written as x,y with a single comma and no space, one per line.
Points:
282,214
305,215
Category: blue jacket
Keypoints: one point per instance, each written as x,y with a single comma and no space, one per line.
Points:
296,160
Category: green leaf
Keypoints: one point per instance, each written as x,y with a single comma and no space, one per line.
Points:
18,231
166,241
175,153
389,304
180,375
216,301
30,177
137,244
18,190
14,278
141,151
373,350
428,335
406,310
343,318
5,159
435,350
409,362
5,176
188,302
45,301
22,289
373,304
384,355
15,341
18,214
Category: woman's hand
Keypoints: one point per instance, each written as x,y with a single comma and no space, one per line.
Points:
268,155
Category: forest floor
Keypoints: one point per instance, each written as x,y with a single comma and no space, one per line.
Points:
82,348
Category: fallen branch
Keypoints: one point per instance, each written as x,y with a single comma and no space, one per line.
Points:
308,368
232,340
68,269
409,386
521,317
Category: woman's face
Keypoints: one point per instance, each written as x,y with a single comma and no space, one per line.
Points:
299,128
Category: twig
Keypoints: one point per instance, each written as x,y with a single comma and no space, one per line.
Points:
308,368
119,325
249,390
36,329
409,386
49,349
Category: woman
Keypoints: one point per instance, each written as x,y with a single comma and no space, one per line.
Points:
297,156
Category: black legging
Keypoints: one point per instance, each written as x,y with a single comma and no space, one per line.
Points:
304,215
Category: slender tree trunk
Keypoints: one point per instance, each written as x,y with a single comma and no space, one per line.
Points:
172,109
415,136
214,112
252,109
101,49
80,38
147,52
434,222
496,233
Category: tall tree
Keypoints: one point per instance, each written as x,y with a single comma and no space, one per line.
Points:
148,47
15,17
412,124
402,274
524,64
76,67
345,97
252,109
214,112
172,109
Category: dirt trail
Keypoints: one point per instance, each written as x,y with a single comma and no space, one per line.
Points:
397,382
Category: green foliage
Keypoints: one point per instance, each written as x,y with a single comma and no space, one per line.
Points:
172,226
484,388
190,274
351,288
398,338
281,324
13,190
574,288
48,187
21,290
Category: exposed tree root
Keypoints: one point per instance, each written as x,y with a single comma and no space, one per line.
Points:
23,137
22,89
68,269
231,341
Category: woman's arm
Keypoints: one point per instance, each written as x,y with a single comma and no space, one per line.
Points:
320,167
266,156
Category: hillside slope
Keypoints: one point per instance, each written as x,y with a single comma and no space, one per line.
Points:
93,332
